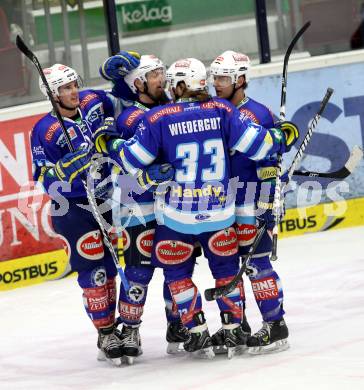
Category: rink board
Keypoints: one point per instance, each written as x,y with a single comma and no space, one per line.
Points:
52,265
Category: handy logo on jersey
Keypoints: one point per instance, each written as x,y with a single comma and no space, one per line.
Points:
265,289
134,115
244,113
90,246
144,242
173,252
165,111
246,234
51,131
224,242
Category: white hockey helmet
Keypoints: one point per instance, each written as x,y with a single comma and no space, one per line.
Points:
189,70
232,64
58,75
147,64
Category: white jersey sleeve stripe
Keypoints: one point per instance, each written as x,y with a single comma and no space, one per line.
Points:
246,140
141,154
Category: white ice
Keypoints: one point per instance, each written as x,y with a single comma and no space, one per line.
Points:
47,342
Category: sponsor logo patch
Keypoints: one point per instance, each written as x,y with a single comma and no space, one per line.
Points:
98,277
51,131
87,99
165,111
134,115
144,242
246,234
129,311
136,293
173,252
90,246
224,242
265,289
248,114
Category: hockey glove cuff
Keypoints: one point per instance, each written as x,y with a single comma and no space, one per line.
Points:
119,65
104,134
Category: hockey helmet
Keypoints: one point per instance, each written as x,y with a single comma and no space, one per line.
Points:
189,70
58,75
147,64
231,64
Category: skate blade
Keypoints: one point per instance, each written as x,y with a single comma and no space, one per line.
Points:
220,349
235,351
116,362
129,360
175,348
206,353
278,346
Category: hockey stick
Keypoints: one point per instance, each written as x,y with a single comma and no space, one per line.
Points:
218,292
355,156
282,117
28,53
298,157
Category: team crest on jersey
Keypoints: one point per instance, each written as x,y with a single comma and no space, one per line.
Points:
224,242
133,116
87,99
144,242
98,277
248,114
136,293
165,111
246,234
90,246
51,131
173,252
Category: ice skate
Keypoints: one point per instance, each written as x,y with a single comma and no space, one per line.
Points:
176,335
199,341
109,346
218,338
130,343
272,337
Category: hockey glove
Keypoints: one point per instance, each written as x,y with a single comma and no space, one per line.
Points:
119,65
291,133
72,165
264,212
104,134
156,175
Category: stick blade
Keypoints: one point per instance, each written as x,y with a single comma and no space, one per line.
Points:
23,47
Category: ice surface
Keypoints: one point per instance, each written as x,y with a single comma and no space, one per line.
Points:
47,341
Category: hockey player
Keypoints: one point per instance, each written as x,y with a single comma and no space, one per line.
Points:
147,81
60,172
229,73
193,134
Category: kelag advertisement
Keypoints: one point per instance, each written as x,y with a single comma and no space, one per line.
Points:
30,251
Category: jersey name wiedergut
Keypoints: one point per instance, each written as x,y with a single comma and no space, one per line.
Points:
196,143
195,126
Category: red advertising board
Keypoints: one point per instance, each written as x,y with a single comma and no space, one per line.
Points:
25,228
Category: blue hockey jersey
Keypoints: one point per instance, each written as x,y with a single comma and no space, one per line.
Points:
141,209
49,143
195,138
246,169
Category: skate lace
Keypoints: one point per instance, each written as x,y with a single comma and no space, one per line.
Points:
130,337
110,342
265,330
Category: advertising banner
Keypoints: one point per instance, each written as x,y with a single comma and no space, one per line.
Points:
29,248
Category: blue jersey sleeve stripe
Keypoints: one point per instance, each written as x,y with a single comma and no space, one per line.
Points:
141,154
